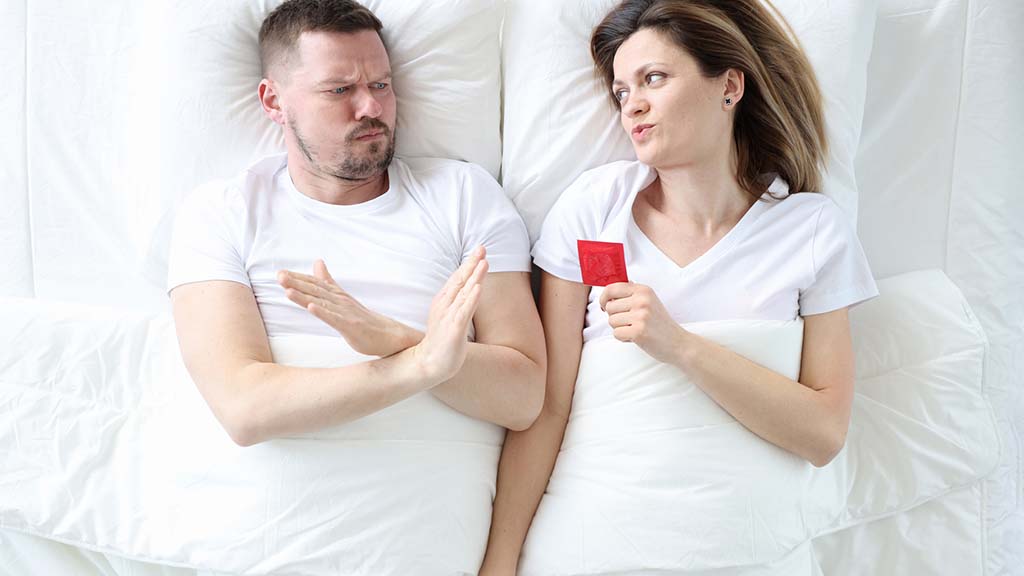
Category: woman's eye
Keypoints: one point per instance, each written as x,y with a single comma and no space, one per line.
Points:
654,77
620,95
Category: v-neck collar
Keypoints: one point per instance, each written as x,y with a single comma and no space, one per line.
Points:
776,191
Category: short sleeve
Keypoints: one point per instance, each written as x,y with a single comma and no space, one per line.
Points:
842,277
206,242
489,218
570,219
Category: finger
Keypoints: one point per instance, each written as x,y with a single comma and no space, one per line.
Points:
473,282
458,278
325,314
624,334
620,320
615,291
301,298
618,306
320,271
311,288
467,309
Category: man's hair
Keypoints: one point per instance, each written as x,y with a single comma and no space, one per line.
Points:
281,29
779,124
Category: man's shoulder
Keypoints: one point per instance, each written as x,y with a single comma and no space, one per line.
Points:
446,182
428,169
240,188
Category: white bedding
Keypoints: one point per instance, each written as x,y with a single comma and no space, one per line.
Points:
653,475
107,444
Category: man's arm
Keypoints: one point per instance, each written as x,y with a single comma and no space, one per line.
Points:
226,350
502,380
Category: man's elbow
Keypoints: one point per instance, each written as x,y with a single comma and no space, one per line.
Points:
240,425
532,401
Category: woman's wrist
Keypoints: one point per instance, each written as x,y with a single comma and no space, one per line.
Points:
686,349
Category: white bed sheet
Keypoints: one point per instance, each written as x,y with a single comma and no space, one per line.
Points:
937,166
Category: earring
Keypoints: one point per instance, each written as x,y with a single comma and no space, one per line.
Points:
728,101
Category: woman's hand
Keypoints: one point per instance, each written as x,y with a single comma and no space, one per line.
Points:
637,315
443,349
366,331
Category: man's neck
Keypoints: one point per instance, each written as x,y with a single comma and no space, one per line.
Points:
331,189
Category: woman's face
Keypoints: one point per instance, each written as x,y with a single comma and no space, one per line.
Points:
674,116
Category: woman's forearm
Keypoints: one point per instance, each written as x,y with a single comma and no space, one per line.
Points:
805,418
526,464
528,457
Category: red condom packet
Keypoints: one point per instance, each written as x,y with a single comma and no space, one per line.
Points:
602,263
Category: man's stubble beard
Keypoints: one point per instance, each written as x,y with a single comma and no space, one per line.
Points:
350,167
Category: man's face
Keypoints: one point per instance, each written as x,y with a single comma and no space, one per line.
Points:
337,102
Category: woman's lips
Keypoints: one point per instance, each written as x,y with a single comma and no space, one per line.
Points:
641,131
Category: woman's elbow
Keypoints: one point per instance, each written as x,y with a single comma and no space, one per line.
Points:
829,448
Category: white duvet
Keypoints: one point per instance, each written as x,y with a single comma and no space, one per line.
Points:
106,445
653,475
112,448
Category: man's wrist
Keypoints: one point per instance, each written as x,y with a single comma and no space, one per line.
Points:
407,336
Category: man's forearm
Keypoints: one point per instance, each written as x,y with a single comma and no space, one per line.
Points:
270,400
498,384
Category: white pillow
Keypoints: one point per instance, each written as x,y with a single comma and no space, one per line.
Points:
558,121
206,122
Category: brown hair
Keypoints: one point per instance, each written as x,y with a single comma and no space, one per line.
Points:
779,124
281,28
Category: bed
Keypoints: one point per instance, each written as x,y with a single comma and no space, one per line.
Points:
118,110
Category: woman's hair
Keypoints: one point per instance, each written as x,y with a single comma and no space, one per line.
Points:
779,124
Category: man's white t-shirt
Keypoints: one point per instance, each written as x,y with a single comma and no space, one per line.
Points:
788,257
392,253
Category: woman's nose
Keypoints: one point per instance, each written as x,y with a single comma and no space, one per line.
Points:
636,105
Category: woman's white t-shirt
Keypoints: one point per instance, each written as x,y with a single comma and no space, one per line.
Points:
788,257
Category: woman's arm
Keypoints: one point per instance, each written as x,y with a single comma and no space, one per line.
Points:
809,417
528,457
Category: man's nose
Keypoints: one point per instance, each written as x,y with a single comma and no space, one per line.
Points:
367,105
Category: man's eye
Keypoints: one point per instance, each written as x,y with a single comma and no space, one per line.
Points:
380,85
340,90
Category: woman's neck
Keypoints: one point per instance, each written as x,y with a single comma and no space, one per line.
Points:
704,198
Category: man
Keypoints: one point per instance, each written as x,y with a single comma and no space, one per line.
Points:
396,230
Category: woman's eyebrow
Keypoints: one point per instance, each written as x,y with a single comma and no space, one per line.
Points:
640,71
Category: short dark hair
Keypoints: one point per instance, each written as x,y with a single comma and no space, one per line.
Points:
281,29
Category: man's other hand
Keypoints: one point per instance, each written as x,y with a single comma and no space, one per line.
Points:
366,331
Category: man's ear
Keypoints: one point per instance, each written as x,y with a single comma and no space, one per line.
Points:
271,102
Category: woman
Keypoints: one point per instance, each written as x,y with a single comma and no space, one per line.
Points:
725,116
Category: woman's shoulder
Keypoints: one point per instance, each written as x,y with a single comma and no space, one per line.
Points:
604,187
804,205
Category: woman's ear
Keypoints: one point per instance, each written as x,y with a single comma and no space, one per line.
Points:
732,88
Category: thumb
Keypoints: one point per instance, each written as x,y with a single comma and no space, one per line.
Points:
320,271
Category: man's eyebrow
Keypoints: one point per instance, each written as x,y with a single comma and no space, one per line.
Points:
341,81
640,72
